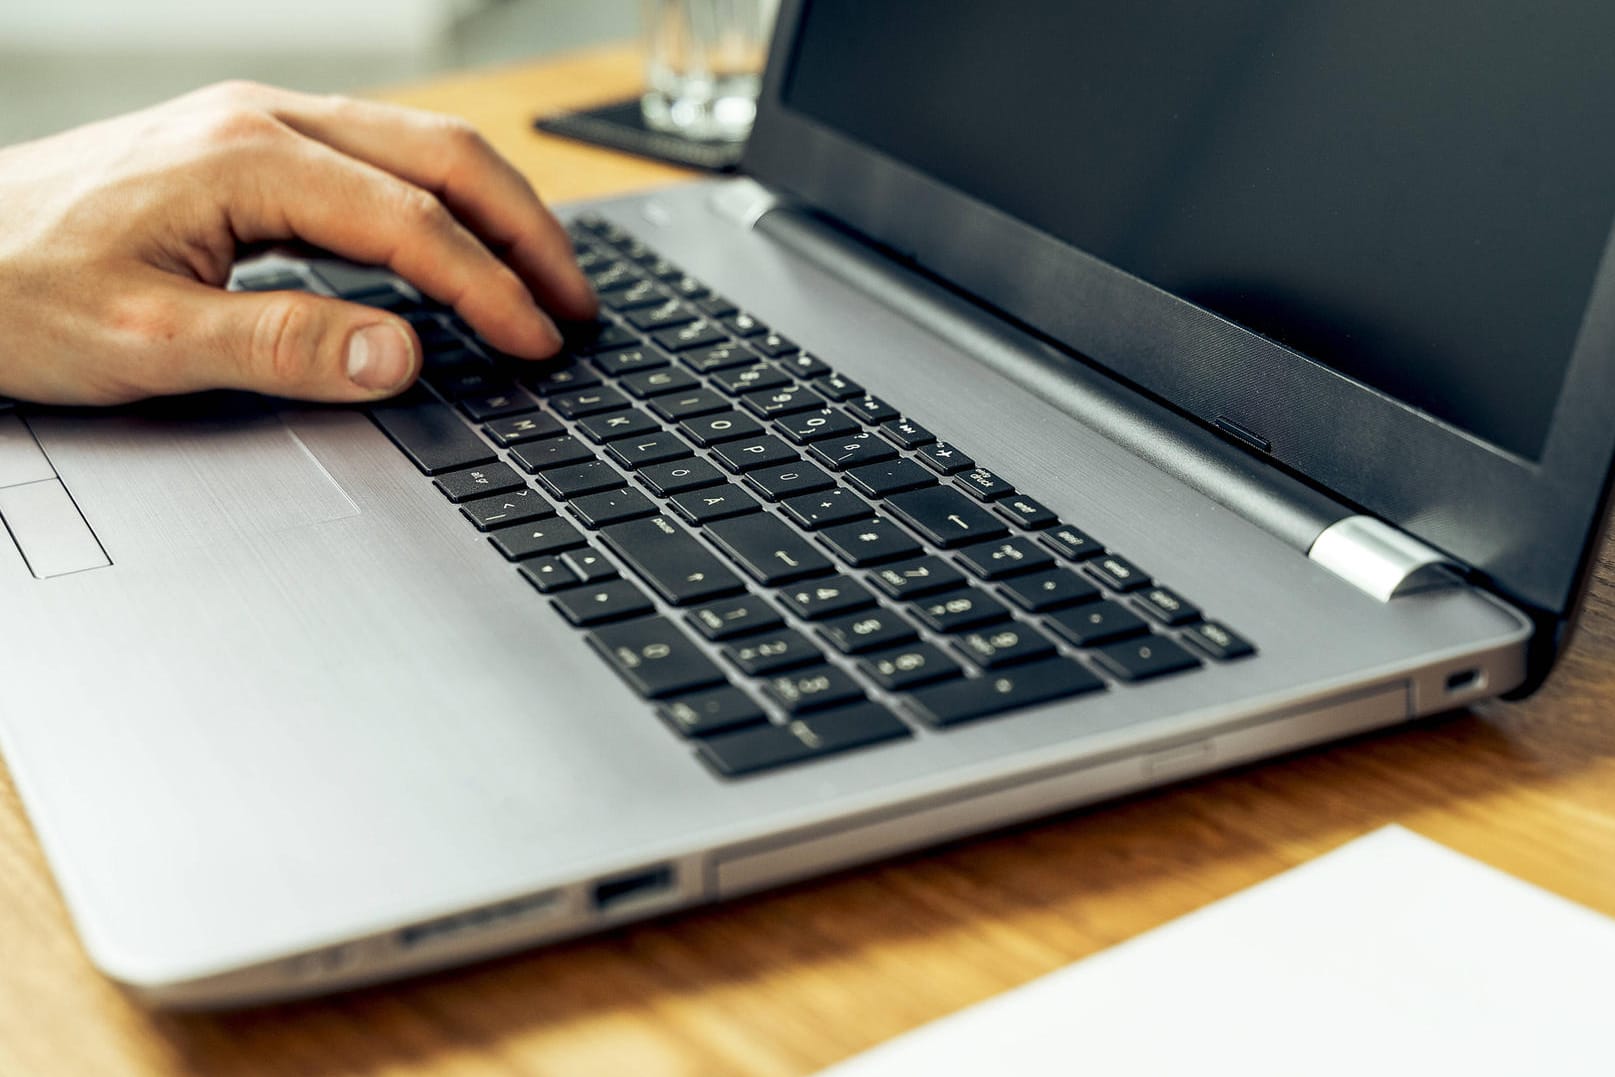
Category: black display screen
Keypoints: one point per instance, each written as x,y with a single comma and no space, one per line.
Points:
1416,194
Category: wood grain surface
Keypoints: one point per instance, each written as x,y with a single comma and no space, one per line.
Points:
788,982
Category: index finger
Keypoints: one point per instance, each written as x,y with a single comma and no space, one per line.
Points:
449,158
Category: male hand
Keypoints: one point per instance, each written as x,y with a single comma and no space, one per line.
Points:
116,240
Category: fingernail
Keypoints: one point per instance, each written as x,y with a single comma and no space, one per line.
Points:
379,357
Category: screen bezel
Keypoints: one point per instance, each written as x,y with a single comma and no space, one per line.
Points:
1526,526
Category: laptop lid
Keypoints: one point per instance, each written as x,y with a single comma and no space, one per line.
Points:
1370,239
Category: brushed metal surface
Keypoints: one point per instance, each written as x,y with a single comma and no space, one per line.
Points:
21,458
313,735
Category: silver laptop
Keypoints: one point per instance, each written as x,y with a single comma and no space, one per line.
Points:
1071,399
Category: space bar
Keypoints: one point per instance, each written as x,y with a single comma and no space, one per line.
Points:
431,434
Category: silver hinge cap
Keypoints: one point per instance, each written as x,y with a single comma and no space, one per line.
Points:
1381,561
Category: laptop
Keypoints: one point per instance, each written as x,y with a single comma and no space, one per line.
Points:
1069,400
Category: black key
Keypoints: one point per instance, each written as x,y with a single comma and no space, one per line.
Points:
1025,512
906,433
586,402
1217,640
712,503
653,383
983,485
659,267
902,668
815,426
709,430
430,434
851,451
614,276
943,458
595,511
506,510
872,410
749,379
804,366
657,448
1004,558
1094,623
871,630
1043,591
676,476
687,287
754,453
959,611
888,478
755,748
787,480
522,429
596,604
674,562
773,345
1071,544
618,424
1118,573
1004,645
678,406
482,409
536,539
628,361
717,357
870,542
918,578
731,617
1011,689
641,293
713,711
815,600
698,334
814,688
671,313
548,381
549,574
467,380
824,509
945,517
609,337
384,296
590,566
578,480
716,306
551,452
478,482
1143,658
769,551
787,400
773,652
838,387
1166,606
744,325
655,658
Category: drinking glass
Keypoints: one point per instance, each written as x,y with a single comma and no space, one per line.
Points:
703,65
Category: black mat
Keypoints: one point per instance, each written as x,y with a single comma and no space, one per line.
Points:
620,126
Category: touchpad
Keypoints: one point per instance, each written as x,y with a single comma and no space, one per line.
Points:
178,475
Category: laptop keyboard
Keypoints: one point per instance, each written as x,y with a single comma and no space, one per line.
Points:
783,565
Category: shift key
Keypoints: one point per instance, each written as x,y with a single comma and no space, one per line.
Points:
671,560
432,435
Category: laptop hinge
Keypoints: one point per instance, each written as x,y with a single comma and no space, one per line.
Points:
1381,561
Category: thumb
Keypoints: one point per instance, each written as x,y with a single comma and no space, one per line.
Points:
294,344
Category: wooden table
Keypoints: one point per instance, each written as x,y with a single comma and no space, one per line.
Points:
788,982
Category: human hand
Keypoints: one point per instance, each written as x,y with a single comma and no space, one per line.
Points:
116,240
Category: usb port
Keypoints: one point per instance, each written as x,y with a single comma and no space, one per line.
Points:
1463,680
631,888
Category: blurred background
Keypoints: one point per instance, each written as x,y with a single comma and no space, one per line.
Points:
64,62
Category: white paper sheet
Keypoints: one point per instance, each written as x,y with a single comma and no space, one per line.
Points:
1390,955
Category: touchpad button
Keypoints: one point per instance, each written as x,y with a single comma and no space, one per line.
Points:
158,480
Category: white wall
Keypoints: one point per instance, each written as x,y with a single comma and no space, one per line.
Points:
137,25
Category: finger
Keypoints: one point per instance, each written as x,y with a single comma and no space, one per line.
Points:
306,190
450,159
291,344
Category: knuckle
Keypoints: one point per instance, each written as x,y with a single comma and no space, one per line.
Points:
421,209
238,125
239,92
462,138
281,348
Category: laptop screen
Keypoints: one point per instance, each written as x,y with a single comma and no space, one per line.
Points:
1324,174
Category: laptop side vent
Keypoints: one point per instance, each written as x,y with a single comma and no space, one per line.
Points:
503,914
